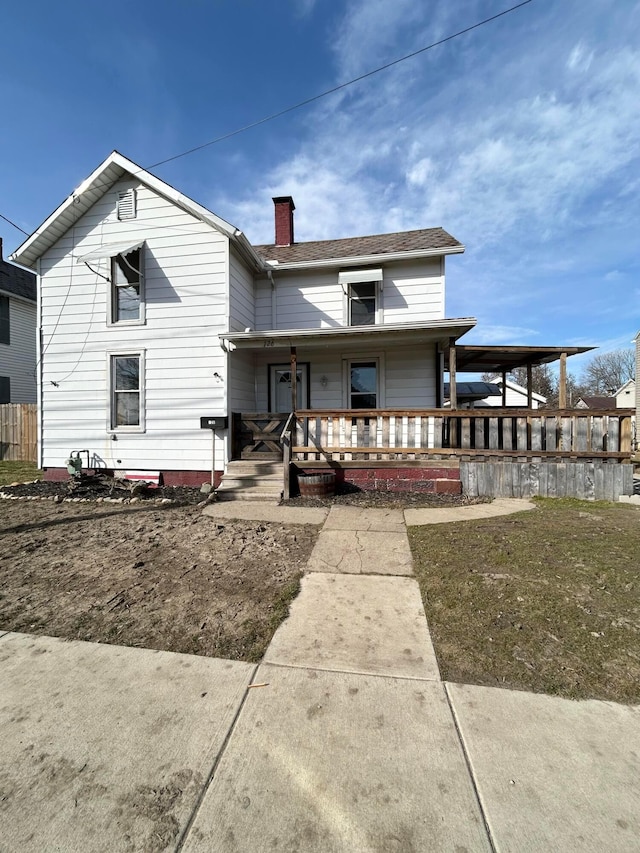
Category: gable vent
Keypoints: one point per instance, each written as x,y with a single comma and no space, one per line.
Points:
127,205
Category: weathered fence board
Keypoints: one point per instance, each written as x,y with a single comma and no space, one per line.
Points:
585,480
18,432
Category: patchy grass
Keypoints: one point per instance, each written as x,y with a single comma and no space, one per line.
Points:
546,600
18,472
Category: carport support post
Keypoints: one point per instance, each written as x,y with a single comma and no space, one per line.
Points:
453,391
453,394
529,386
562,385
294,379
504,389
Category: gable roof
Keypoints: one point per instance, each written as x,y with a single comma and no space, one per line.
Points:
428,241
521,390
596,402
113,169
16,281
627,384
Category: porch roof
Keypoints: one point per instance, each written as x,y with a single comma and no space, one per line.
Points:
497,359
389,333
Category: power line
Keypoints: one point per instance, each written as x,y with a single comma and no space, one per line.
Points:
331,91
6,219
340,86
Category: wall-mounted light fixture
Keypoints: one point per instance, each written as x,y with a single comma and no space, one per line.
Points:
324,381
217,376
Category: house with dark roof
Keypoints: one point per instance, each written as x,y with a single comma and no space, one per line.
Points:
171,345
17,333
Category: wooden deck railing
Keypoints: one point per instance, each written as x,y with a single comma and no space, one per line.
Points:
345,435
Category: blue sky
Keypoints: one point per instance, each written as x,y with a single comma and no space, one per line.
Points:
521,138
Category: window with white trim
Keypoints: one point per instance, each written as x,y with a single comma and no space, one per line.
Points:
127,287
363,384
363,303
127,398
362,290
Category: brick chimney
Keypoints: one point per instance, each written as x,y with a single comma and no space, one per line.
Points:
284,208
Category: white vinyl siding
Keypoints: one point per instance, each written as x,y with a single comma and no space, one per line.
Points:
242,313
413,292
409,292
186,265
18,358
407,375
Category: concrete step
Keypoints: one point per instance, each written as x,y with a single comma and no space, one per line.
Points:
248,495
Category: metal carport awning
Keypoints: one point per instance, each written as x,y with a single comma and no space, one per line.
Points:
110,250
467,358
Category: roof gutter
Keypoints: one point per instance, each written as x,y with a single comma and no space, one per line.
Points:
366,259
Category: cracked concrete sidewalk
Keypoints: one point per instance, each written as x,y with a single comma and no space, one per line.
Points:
343,739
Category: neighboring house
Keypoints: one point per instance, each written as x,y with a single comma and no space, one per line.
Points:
491,395
600,403
626,395
471,394
155,313
516,396
17,333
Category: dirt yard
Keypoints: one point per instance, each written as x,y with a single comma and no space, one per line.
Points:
161,577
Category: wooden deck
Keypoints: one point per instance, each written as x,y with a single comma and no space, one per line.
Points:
476,434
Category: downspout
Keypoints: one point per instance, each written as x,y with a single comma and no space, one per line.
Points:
39,350
274,304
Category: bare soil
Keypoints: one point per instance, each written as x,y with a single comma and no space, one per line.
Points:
161,577
546,600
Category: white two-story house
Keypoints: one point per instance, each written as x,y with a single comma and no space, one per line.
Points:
170,345
155,313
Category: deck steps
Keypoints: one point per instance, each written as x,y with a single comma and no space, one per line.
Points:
248,480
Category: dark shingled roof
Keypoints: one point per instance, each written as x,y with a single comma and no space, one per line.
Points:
16,280
597,402
353,247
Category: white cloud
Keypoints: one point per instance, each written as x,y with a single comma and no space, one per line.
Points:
580,59
505,143
506,335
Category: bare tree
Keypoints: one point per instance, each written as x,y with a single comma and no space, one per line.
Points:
607,371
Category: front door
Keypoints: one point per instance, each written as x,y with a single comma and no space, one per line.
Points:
280,387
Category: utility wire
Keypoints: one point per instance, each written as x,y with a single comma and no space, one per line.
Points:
6,219
314,98
340,86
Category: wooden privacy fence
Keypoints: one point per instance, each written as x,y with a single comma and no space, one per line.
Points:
517,435
18,432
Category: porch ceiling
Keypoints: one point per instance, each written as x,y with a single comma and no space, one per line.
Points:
485,359
339,337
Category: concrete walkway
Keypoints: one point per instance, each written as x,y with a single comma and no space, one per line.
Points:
343,739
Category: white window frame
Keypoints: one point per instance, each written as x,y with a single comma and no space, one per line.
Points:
111,391
348,360
347,278
112,319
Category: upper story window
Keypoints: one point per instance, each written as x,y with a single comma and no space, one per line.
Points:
5,323
126,204
363,303
362,289
127,287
